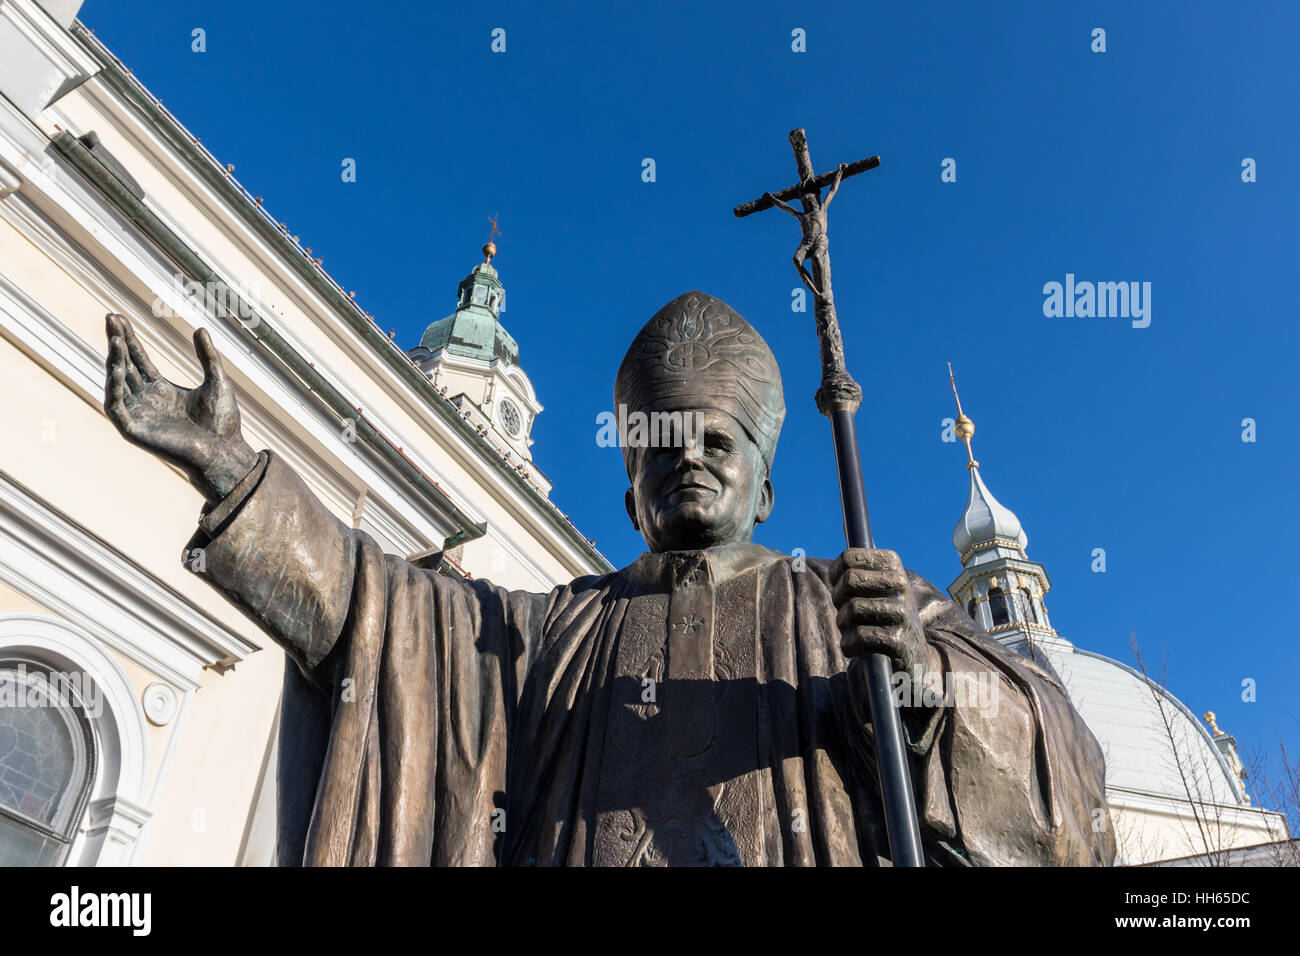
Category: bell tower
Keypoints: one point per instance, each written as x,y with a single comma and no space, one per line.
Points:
999,586
474,362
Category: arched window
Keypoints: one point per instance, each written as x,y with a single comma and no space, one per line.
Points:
1029,603
47,763
970,609
998,606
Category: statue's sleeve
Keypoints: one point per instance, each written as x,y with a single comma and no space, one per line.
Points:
397,719
1009,774
274,551
279,555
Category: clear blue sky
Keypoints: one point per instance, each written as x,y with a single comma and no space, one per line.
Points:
1122,166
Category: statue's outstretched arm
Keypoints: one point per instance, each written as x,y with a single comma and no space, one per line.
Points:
265,541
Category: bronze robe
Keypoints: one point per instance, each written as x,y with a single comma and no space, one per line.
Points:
646,717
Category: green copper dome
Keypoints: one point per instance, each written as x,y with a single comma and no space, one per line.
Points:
474,330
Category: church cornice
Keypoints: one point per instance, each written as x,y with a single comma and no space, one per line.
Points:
1021,626
129,608
986,545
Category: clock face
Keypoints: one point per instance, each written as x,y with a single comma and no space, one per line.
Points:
510,418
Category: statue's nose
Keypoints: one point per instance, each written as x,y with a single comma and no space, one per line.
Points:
687,460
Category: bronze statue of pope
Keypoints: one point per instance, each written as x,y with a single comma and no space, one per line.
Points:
701,706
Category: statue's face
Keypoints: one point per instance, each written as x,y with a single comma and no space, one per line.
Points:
681,501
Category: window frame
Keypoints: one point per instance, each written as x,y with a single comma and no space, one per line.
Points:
70,813
111,831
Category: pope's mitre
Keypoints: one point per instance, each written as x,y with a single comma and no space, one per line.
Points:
699,353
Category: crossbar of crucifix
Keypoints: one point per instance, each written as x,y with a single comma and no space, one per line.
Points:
794,192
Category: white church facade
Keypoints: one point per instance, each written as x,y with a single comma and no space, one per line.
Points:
157,746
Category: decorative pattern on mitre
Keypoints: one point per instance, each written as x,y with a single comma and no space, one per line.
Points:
697,352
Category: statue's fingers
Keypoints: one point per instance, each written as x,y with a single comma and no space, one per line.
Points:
870,640
209,358
134,383
135,351
870,612
849,558
867,559
116,357
115,392
856,582
881,559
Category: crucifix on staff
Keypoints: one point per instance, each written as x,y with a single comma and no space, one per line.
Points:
838,399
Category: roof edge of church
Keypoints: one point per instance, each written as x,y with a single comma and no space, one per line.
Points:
237,198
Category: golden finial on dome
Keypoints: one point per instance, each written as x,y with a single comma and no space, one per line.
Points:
1210,718
965,428
490,247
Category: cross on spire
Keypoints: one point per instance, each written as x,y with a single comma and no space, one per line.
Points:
964,427
490,247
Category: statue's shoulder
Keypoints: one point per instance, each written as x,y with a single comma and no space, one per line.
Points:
762,557
591,582
927,594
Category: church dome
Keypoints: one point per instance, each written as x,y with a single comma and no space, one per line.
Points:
1145,732
985,519
472,335
474,330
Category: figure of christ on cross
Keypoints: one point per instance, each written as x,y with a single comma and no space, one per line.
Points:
813,223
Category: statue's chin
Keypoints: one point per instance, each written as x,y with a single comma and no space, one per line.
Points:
692,526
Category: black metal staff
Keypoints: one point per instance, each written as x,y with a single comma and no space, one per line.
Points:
838,399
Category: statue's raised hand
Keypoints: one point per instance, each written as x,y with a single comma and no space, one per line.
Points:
195,429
